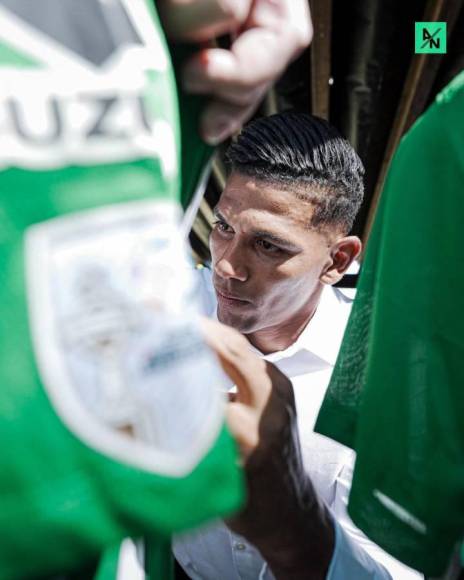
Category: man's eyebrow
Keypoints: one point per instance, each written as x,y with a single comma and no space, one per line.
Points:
268,236
218,214
276,239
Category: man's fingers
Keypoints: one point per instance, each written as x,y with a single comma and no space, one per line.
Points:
257,56
215,68
290,17
264,395
197,79
273,33
201,20
245,368
249,374
244,426
259,425
237,78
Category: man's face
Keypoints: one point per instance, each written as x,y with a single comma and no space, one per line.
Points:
267,261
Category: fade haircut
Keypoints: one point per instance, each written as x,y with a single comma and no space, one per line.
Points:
308,156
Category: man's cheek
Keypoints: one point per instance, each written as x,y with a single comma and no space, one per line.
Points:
275,300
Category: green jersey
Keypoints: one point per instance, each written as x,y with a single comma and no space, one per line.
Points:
396,391
111,421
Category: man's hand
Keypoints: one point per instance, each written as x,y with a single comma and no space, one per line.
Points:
201,20
268,35
283,517
261,387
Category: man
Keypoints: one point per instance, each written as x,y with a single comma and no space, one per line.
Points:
279,244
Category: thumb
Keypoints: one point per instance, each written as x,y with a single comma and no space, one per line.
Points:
243,425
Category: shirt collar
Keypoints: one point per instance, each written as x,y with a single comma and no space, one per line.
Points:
323,334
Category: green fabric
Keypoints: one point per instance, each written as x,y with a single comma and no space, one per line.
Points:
11,57
63,503
108,564
195,153
396,391
159,560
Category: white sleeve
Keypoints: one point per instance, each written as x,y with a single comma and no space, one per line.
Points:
355,556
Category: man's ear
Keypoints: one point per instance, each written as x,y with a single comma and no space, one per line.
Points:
342,254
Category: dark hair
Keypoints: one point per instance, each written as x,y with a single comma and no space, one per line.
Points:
307,155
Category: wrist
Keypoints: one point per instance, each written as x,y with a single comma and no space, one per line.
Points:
304,547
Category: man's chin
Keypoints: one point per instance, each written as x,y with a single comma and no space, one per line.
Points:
236,321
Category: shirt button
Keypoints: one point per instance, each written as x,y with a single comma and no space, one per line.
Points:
239,546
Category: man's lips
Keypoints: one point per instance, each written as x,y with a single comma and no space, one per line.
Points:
230,298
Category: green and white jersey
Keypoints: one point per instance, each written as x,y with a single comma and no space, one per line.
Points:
110,420
396,391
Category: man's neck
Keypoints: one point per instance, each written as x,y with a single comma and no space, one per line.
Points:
281,336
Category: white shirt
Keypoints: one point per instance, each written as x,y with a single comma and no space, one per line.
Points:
215,553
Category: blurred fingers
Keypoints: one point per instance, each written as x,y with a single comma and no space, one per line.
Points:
201,20
245,368
243,423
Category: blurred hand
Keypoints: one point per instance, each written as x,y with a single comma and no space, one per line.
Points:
262,418
263,406
202,20
268,35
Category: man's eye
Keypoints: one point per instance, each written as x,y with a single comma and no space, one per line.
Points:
267,247
222,226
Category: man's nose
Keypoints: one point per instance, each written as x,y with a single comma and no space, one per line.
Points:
232,264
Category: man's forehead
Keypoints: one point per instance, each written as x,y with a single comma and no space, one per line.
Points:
257,200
